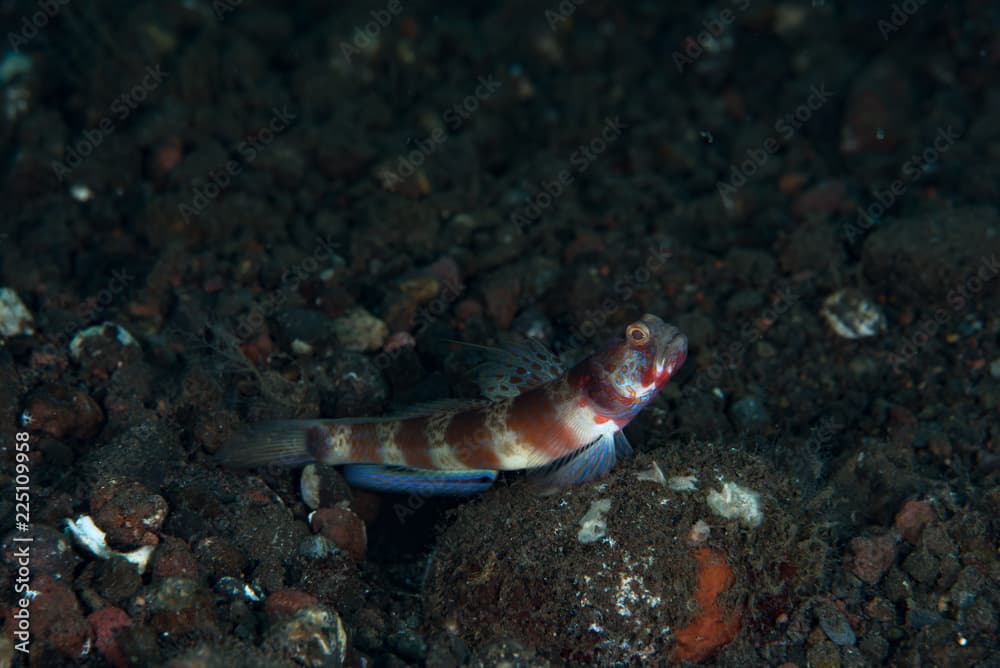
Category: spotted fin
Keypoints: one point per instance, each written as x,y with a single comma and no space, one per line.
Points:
435,407
400,479
588,463
518,365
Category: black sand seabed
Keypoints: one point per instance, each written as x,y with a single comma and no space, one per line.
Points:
288,211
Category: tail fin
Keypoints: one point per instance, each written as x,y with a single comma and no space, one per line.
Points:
281,442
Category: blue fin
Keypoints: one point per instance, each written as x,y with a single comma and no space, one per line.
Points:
588,463
404,480
518,365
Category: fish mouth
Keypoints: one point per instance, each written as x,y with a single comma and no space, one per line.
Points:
674,354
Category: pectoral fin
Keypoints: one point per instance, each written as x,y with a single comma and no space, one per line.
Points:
588,463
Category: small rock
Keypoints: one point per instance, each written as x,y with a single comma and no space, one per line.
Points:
409,645
219,557
286,603
128,512
104,625
57,620
107,347
314,637
342,527
117,579
912,519
15,318
421,289
749,412
51,552
180,606
872,556
852,315
922,566
835,625
63,412
174,559
359,330
995,368
323,487
744,301
919,618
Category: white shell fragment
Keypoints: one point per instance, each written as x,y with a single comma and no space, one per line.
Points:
736,502
76,344
593,525
683,483
15,318
90,537
852,315
653,474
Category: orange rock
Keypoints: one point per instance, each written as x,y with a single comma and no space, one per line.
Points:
714,626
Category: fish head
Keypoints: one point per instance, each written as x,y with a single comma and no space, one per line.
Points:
626,375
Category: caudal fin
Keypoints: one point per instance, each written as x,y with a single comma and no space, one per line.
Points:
275,442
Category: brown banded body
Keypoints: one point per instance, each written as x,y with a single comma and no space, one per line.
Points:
536,415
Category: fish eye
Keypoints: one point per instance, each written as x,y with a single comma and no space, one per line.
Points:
637,333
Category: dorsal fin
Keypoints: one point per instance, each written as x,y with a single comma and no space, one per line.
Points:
517,365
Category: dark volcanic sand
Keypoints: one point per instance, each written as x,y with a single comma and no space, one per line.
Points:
288,211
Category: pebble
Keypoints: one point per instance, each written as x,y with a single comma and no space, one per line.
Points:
323,487
872,556
744,301
911,520
409,645
219,558
360,331
343,528
749,412
63,412
15,318
51,552
57,620
852,315
286,603
919,618
106,346
314,637
835,625
127,512
174,558
995,368
117,579
104,625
